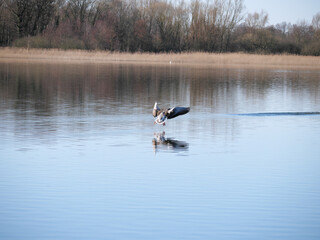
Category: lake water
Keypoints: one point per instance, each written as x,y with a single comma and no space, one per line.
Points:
80,157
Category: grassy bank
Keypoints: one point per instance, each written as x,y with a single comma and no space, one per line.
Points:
228,60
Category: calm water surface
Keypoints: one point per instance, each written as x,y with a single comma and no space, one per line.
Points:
80,157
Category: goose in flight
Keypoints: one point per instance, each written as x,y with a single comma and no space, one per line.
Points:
161,115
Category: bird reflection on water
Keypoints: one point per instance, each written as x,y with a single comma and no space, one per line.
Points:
160,142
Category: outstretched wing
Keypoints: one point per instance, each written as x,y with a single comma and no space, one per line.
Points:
177,111
156,110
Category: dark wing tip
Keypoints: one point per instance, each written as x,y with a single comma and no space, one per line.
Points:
177,111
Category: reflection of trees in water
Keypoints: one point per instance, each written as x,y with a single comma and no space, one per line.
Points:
160,142
228,90
44,86
38,89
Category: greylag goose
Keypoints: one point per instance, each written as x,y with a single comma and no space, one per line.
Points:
161,115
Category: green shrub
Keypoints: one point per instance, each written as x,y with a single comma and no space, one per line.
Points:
32,42
45,42
69,43
311,49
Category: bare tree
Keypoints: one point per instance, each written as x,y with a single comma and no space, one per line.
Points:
235,17
316,21
229,15
199,24
43,10
7,27
257,20
283,28
300,33
79,11
31,17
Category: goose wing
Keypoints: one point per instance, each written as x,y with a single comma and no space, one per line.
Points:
177,111
156,110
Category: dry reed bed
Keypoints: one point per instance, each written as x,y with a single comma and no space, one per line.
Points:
228,60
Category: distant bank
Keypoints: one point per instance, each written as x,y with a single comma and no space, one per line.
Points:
227,60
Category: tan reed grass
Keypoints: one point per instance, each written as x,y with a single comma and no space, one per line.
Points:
226,60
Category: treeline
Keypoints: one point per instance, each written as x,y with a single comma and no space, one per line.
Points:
151,26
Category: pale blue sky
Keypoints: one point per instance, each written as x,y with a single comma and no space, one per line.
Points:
285,10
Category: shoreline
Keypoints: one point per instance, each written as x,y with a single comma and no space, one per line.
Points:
223,60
